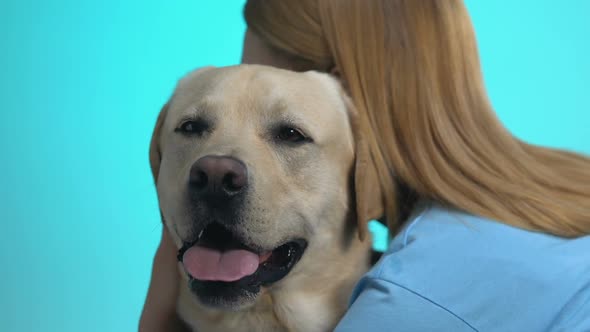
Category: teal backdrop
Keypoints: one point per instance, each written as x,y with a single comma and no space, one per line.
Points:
81,87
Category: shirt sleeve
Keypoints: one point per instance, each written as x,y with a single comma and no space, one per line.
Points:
380,305
578,323
576,317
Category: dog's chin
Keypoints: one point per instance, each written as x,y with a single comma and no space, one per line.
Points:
238,294
223,295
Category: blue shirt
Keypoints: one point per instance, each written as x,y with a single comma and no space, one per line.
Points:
452,271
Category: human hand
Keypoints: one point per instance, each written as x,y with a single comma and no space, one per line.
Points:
159,311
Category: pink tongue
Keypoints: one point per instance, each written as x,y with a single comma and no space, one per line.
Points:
208,264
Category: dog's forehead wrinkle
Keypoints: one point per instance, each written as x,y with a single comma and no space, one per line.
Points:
214,89
184,108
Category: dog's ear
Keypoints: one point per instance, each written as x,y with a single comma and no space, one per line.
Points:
369,197
155,152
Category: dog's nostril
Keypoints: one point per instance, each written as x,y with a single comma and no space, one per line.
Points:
233,181
199,179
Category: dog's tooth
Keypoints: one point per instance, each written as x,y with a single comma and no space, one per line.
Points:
200,234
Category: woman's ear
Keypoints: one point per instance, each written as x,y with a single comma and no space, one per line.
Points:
155,152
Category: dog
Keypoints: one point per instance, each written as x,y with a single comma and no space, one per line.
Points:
267,190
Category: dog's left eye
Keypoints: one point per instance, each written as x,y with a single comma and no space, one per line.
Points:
193,127
291,135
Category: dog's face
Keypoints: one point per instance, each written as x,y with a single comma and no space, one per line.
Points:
253,167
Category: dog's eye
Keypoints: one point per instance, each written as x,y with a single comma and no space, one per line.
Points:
291,135
193,127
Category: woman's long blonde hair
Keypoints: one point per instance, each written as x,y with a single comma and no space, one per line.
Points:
412,69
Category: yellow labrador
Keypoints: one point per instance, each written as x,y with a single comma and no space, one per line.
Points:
258,182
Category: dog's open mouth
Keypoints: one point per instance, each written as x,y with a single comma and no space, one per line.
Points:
219,261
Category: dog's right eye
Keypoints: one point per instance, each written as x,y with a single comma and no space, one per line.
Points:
193,127
291,135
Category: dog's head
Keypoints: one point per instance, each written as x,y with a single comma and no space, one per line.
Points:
254,168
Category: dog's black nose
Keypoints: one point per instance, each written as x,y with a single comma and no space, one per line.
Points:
218,176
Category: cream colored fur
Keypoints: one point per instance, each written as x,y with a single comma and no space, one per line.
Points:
304,191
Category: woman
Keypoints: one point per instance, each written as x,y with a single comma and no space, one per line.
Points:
489,233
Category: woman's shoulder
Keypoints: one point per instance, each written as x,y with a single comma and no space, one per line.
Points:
476,268
474,239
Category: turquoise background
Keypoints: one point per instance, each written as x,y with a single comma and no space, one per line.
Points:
82,83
